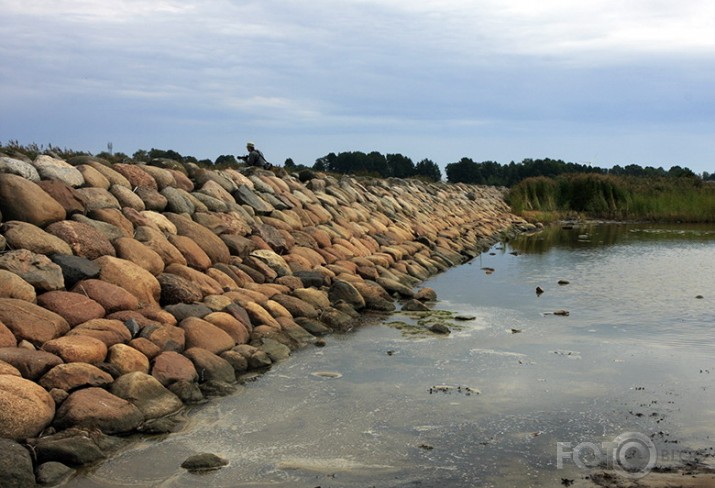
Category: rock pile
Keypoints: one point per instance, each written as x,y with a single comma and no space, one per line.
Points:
128,290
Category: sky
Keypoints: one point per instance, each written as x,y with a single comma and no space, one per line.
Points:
599,82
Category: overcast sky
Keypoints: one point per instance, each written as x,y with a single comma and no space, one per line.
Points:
590,81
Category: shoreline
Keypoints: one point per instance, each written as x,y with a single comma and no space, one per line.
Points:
133,290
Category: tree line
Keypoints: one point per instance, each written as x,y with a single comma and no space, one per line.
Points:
397,165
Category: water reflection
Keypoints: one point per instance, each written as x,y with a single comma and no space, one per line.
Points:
379,407
593,235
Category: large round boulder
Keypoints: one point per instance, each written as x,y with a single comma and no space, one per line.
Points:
111,297
147,394
71,376
30,363
25,408
23,235
133,278
50,168
203,334
96,408
170,367
84,239
24,200
127,359
31,322
77,349
36,269
75,308
12,286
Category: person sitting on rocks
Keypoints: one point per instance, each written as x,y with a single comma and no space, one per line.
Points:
255,157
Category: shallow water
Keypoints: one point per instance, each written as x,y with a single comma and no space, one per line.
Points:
486,405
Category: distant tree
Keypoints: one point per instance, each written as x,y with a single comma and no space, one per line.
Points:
289,164
464,171
226,160
399,166
428,169
141,155
162,154
320,165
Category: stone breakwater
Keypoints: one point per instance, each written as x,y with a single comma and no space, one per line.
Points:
128,290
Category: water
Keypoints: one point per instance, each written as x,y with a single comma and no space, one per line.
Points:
487,405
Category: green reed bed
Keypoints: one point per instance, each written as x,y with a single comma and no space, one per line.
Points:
615,197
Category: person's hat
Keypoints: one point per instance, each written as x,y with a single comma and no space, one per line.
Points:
250,144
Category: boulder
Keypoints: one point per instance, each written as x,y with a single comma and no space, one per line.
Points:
127,198
24,200
140,254
127,360
273,260
176,289
71,376
74,447
110,332
75,308
22,235
425,295
30,322
166,337
111,297
97,198
50,168
7,339
20,168
110,231
170,367
136,175
12,286
30,363
318,298
147,394
133,278
156,241
153,200
210,366
65,195
296,306
16,464
195,256
178,201
96,408
204,283
212,245
25,408
75,268
84,239
163,177
77,349
36,269
247,196
92,177
229,324
146,347
203,334
111,175
114,217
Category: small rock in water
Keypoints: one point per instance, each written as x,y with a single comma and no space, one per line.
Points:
440,329
539,290
699,297
465,318
563,313
203,462
514,331
563,282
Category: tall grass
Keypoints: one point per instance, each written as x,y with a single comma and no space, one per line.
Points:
617,197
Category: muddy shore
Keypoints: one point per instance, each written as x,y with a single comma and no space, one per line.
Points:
128,291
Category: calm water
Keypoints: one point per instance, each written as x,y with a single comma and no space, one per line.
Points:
487,405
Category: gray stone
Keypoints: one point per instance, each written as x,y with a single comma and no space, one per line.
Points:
19,168
15,466
203,462
36,269
244,195
53,473
50,168
75,268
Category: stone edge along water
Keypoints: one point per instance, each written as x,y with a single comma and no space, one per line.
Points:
128,290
